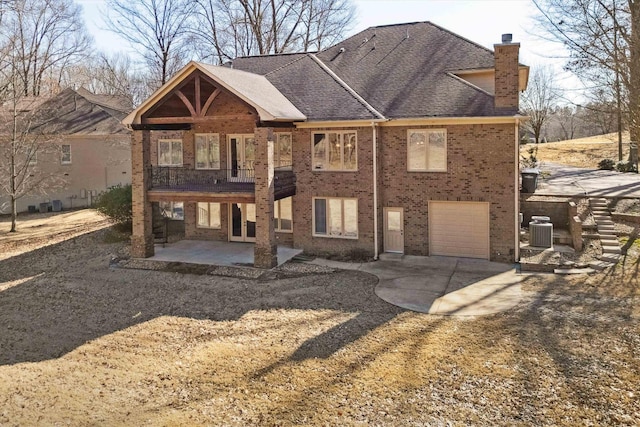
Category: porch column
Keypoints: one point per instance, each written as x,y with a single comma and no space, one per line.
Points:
142,237
265,252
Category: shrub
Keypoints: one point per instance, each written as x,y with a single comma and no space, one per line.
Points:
625,166
116,204
606,164
530,161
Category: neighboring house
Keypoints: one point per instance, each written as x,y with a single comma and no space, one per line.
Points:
81,148
402,138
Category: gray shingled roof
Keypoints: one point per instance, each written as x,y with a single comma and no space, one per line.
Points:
401,70
71,113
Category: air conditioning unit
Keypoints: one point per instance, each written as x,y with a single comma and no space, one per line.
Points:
541,234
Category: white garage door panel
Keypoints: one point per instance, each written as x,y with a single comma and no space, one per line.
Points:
459,229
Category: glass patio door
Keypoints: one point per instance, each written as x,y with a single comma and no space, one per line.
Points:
243,222
242,155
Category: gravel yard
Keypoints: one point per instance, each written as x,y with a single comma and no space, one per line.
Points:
86,343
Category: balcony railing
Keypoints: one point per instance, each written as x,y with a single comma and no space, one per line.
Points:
218,180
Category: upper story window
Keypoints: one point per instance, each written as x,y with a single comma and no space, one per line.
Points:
335,151
427,150
282,150
170,152
207,151
65,157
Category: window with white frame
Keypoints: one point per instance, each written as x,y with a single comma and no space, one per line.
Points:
172,210
335,217
283,215
335,151
283,151
65,157
207,150
209,215
427,150
170,152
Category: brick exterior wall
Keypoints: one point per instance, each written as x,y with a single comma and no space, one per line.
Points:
312,184
142,235
480,168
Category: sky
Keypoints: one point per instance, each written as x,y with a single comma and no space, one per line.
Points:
482,21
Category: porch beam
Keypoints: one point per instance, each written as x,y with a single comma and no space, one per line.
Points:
196,196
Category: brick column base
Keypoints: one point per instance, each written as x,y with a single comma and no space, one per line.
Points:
142,246
265,257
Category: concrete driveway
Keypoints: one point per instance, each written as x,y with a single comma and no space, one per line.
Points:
442,285
572,181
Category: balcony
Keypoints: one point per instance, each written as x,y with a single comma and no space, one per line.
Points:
222,181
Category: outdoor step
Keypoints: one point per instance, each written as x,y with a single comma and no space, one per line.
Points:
599,218
606,227
574,270
611,250
600,265
599,209
605,221
609,242
590,236
614,258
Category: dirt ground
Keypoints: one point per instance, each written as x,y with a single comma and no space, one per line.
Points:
583,152
83,343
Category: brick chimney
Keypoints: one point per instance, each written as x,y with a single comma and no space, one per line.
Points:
507,94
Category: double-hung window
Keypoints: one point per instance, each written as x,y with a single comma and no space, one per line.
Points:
209,215
65,157
335,217
170,152
427,150
335,151
207,150
283,215
283,151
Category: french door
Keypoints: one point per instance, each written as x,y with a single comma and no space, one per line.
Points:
242,156
243,222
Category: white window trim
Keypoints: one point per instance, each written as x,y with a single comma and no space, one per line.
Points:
427,131
276,149
62,161
171,155
196,151
329,236
341,134
209,227
276,214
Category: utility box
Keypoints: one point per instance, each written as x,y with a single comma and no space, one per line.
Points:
57,206
44,207
529,180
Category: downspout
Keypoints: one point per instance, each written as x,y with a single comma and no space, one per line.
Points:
517,192
375,189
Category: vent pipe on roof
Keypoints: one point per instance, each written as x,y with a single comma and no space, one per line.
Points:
507,38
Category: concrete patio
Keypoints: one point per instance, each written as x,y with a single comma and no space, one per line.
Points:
208,252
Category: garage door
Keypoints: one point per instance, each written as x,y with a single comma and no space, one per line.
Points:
459,229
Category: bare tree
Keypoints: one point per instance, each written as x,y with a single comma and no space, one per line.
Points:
156,28
539,100
48,34
226,29
20,144
603,41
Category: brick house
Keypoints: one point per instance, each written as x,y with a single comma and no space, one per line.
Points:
402,138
